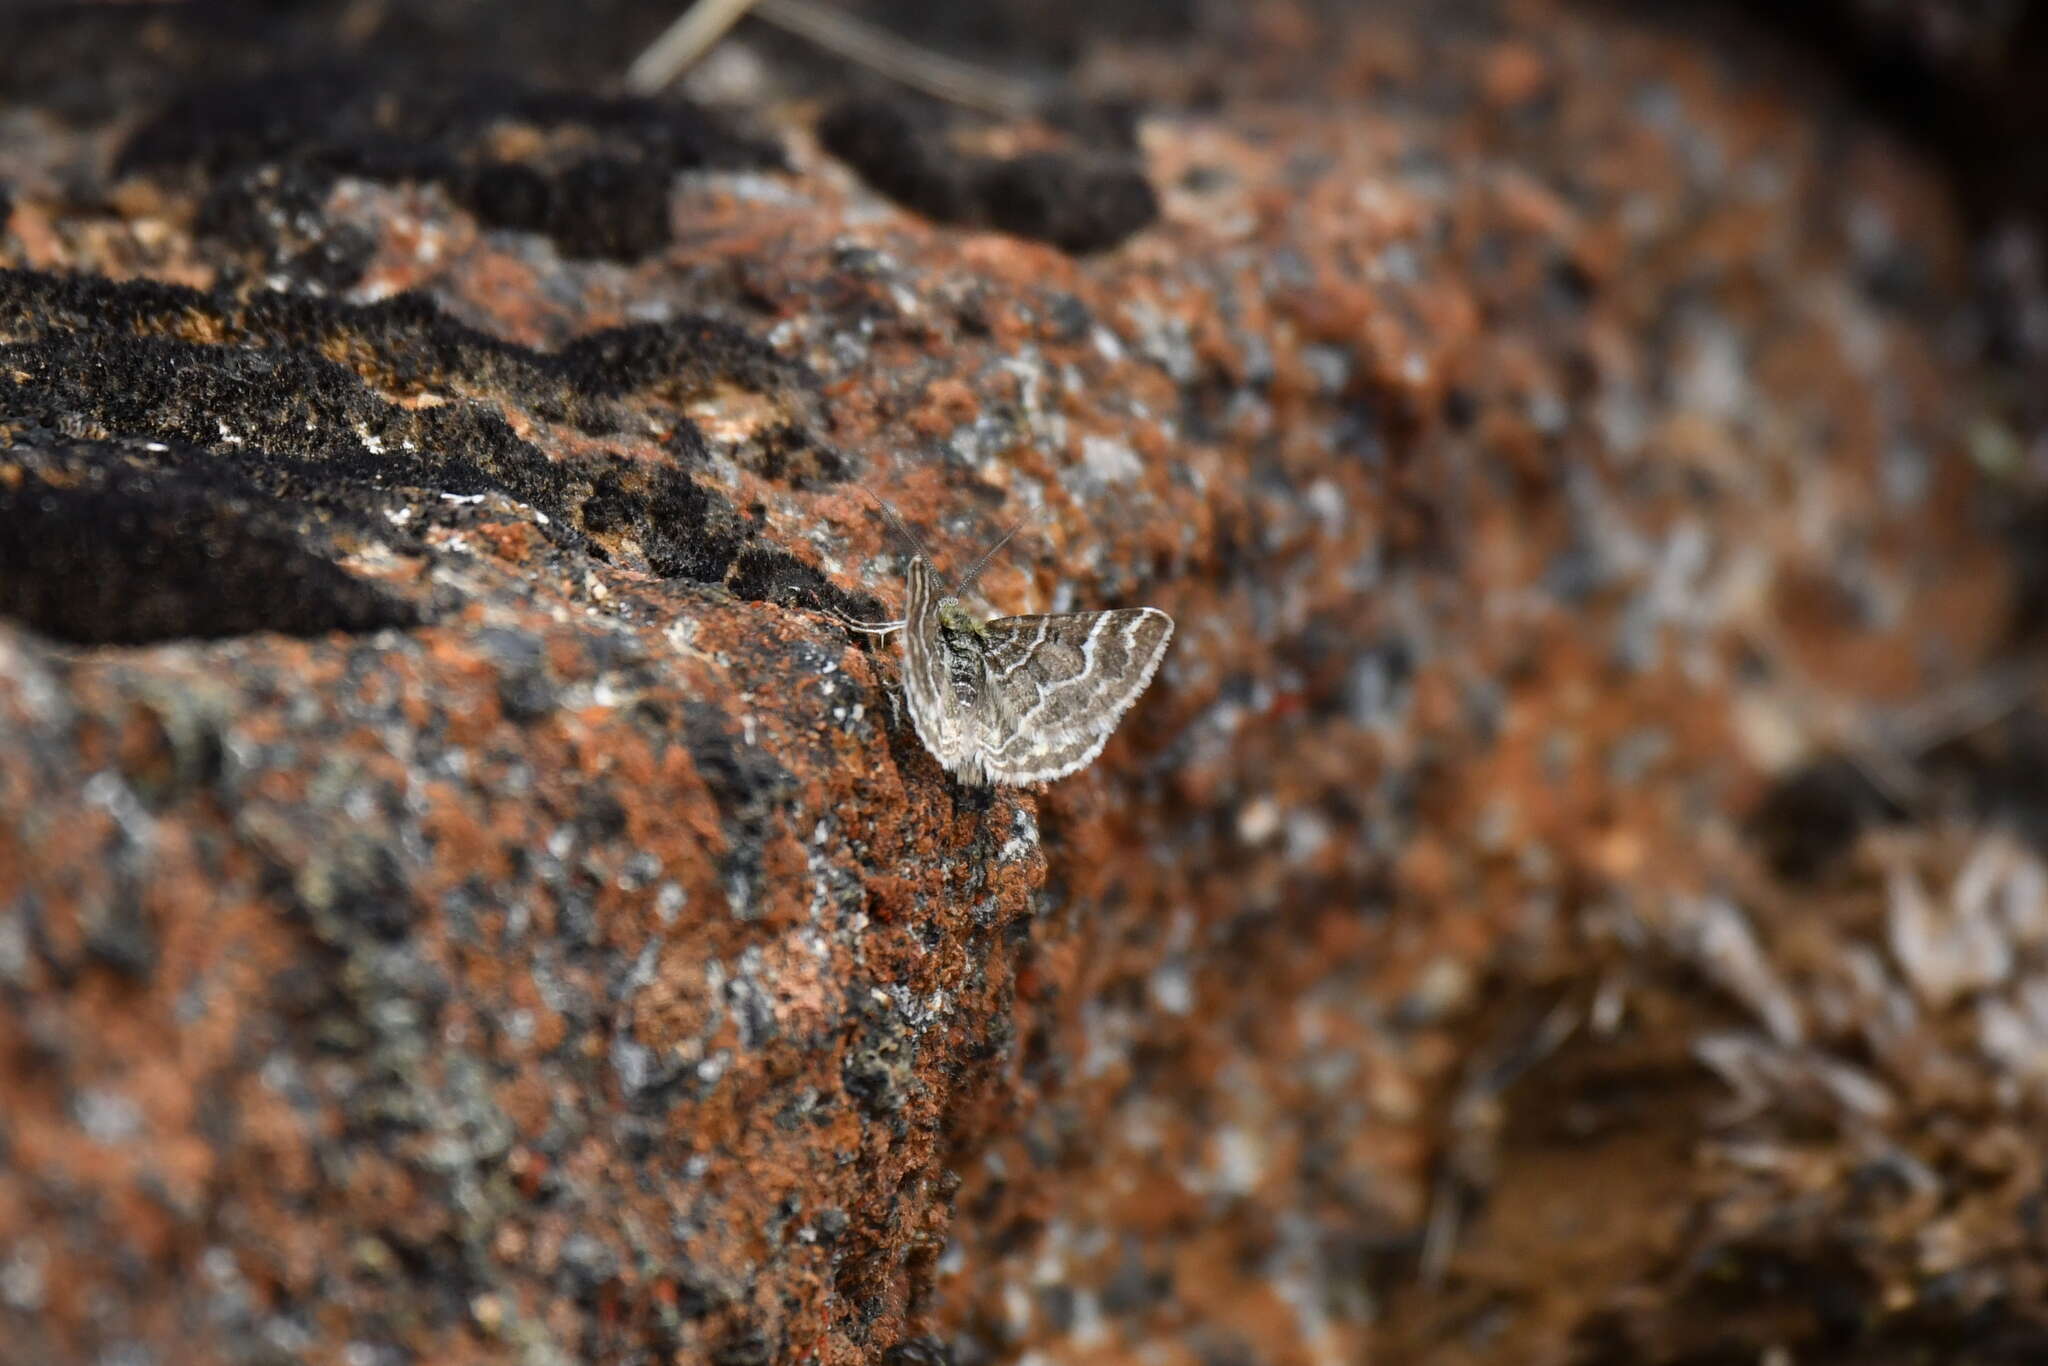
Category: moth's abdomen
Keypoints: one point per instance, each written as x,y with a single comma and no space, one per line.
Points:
965,667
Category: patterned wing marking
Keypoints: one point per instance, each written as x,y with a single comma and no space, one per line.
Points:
1058,685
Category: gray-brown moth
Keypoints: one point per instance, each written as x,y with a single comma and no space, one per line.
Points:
1017,700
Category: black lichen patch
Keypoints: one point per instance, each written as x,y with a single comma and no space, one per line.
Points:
408,345
298,422
685,530
592,173
790,454
285,396
1078,204
98,552
287,403
600,206
1079,200
765,574
679,359
275,217
405,344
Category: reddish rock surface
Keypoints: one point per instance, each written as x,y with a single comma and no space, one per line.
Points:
1572,894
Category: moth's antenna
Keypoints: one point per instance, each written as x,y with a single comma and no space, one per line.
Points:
897,522
987,555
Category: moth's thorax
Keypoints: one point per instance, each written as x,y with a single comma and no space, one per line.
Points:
954,617
961,641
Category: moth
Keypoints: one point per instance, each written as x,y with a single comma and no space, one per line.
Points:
1016,700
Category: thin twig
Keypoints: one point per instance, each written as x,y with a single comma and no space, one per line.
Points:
705,22
692,35
919,68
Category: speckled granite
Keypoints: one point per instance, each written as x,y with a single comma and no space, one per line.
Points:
1572,893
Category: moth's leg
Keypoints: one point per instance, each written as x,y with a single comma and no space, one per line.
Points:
871,628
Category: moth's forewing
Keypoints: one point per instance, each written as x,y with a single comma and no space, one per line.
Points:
945,726
1057,686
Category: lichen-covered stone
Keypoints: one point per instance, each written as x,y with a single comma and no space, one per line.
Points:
1573,892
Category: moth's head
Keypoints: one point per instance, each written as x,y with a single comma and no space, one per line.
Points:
954,617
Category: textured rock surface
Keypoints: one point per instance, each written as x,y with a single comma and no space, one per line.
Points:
1572,893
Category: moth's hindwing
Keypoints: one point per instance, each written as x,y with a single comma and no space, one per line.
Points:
1057,686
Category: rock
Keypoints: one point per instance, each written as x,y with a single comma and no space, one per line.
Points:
463,896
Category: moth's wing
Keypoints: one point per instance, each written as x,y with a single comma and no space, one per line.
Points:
943,723
1057,685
